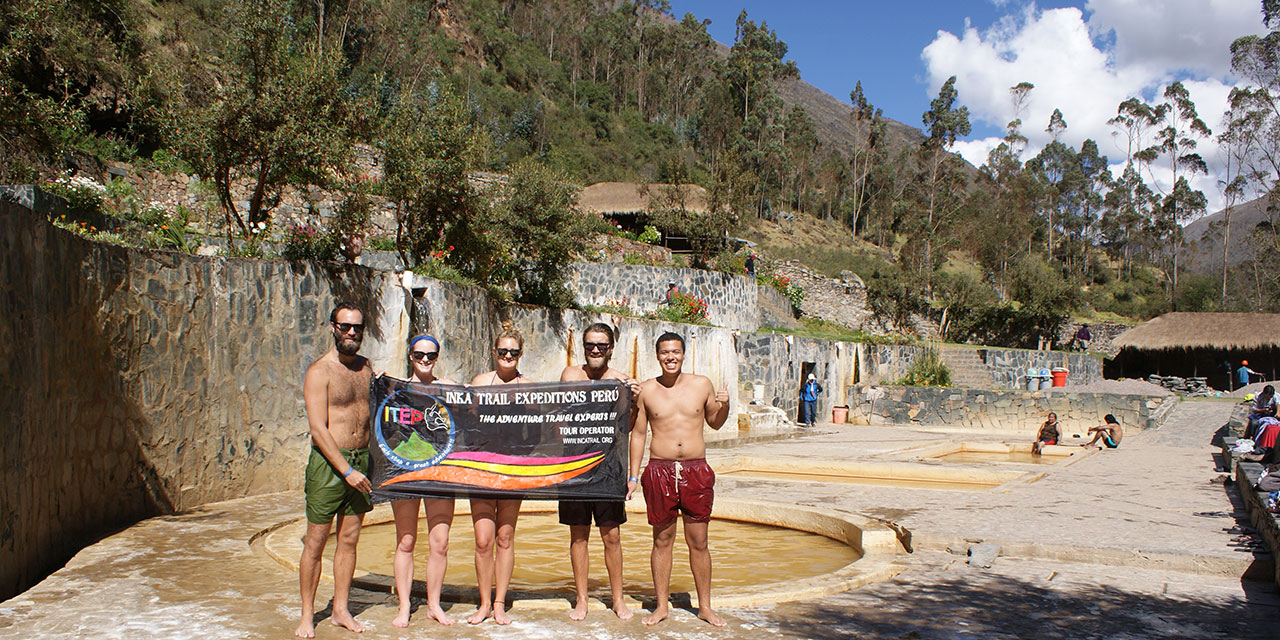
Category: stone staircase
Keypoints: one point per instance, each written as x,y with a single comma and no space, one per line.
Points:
967,369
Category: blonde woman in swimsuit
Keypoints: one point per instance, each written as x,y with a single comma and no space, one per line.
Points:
495,520
423,351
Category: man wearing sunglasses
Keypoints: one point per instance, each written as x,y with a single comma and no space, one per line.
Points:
597,346
336,394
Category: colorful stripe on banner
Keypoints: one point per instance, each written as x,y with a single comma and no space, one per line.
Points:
485,456
524,468
491,479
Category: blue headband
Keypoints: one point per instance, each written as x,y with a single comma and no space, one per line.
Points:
418,339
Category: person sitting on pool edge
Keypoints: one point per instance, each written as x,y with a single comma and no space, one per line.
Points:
1110,433
1048,434
1264,405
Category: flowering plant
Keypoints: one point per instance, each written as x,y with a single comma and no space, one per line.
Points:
82,193
683,307
305,242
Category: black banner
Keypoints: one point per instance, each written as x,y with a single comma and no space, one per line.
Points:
542,441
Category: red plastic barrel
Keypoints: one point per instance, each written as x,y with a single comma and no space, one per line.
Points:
1060,377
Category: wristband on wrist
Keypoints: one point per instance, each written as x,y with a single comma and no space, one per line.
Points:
633,479
350,470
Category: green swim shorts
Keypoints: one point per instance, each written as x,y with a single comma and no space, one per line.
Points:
328,494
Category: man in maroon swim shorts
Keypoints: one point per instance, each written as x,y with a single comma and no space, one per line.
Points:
672,487
678,479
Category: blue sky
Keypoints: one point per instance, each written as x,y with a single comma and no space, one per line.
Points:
1083,57
836,44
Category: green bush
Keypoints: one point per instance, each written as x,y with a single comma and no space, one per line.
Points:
730,263
1006,324
167,230
650,235
928,370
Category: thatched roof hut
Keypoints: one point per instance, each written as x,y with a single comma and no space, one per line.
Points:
626,198
1199,344
1187,330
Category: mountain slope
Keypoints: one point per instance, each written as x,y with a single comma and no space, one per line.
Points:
1203,251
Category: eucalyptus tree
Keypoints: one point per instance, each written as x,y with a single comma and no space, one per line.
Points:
1177,140
1238,147
1256,109
1003,204
867,153
940,185
757,156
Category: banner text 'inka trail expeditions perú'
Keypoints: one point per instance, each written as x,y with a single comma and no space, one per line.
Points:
541,441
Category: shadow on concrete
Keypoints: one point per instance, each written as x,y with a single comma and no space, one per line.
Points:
982,605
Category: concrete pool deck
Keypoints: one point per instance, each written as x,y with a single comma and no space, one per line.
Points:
1139,542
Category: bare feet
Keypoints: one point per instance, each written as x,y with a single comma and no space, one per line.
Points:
347,622
709,614
306,629
402,618
480,615
621,609
579,611
657,616
439,615
499,614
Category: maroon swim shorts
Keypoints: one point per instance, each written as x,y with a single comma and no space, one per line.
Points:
678,486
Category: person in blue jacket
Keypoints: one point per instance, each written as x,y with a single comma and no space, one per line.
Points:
809,400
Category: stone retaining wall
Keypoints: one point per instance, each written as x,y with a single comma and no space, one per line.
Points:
775,309
840,301
775,363
152,381
844,301
883,364
1009,366
731,299
1020,411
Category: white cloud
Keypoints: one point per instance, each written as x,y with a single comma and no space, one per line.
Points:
1190,35
1087,68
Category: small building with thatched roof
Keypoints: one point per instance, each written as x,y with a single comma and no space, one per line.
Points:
1199,344
615,199
627,204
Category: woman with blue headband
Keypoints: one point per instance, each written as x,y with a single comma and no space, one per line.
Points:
423,352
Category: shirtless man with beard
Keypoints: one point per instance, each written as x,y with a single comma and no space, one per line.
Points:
677,480
597,346
336,394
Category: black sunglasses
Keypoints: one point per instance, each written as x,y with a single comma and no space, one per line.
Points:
419,355
502,351
597,346
344,327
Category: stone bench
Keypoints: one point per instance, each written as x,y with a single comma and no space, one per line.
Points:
1246,475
